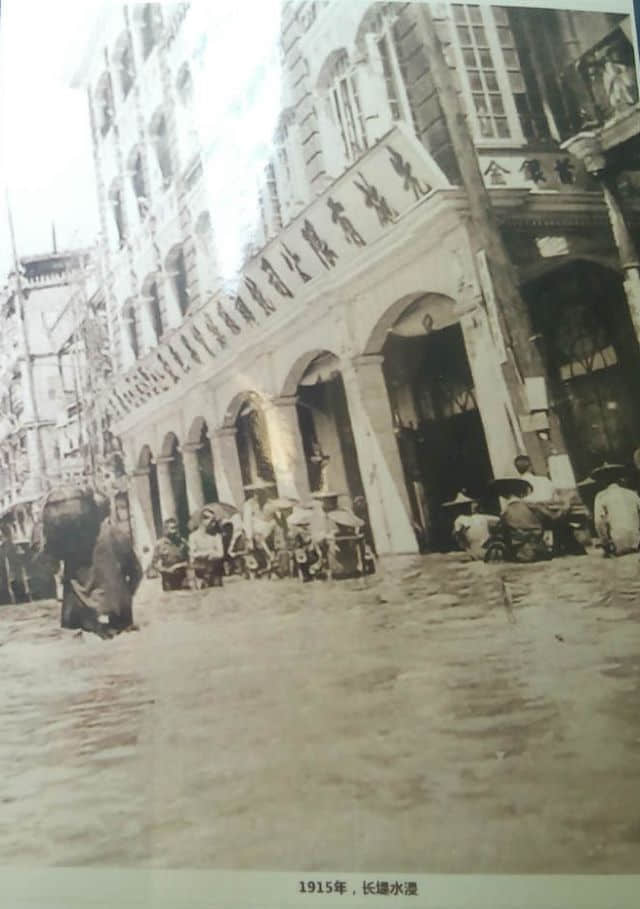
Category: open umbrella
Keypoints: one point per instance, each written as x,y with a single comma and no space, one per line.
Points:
258,484
460,499
608,473
510,486
300,517
346,518
274,505
222,511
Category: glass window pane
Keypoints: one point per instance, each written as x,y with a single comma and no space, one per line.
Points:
475,14
469,57
479,35
464,35
492,81
475,82
486,129
517,83
503,128
505,36
511,59
486,61
481,104
500,15
459,13
496,104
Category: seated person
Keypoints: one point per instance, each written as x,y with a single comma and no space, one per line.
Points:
524,523
472,530
207,549
171,556
616,512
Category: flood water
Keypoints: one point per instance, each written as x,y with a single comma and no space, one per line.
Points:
442,716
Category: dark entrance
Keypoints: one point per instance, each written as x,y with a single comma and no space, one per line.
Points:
254,450
205,467
325,427
179,485
593,360
438,426
155,499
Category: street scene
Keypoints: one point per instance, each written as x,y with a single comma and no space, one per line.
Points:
320,438
427,721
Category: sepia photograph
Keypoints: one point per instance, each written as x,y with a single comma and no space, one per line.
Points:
320,439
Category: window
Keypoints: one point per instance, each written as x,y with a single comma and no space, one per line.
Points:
160,139
177,274
204,231
184,85
117,210
138,181
390,79
345,110
273,201
148,25
501,104
124,63
155,310
104,103
131,324
482,78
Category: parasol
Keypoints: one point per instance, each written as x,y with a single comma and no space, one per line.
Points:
346,518
460,499
608,473
300,516
510,486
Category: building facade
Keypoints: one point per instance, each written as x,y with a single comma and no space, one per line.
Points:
438,276
55,361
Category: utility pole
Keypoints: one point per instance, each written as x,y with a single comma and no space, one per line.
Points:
524,359
28,382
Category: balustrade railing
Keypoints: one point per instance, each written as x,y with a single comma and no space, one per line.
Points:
602,84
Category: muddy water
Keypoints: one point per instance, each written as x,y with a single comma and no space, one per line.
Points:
444,716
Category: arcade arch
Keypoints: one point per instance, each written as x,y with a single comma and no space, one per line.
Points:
173,487
437,422
198,441
148,470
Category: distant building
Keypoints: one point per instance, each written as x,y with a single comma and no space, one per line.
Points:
413,305
54,362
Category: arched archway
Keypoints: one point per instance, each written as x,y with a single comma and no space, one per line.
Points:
198,439
438,427
325,425
246,414
581,317
146,463
172,457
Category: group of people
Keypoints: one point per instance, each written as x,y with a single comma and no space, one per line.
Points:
535,523
270,537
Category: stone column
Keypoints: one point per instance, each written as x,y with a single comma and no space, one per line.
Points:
144,532
378,455
165,488
629,258
227,465
287,450
587,146
192,476
499,420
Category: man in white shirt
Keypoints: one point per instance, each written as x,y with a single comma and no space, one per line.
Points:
616,513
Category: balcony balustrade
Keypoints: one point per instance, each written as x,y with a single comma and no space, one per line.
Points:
601,85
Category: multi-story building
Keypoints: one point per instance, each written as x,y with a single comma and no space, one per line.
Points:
54,361
434,280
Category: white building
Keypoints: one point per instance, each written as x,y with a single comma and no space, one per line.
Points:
378,317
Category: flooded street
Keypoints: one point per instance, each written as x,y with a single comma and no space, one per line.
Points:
442,716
